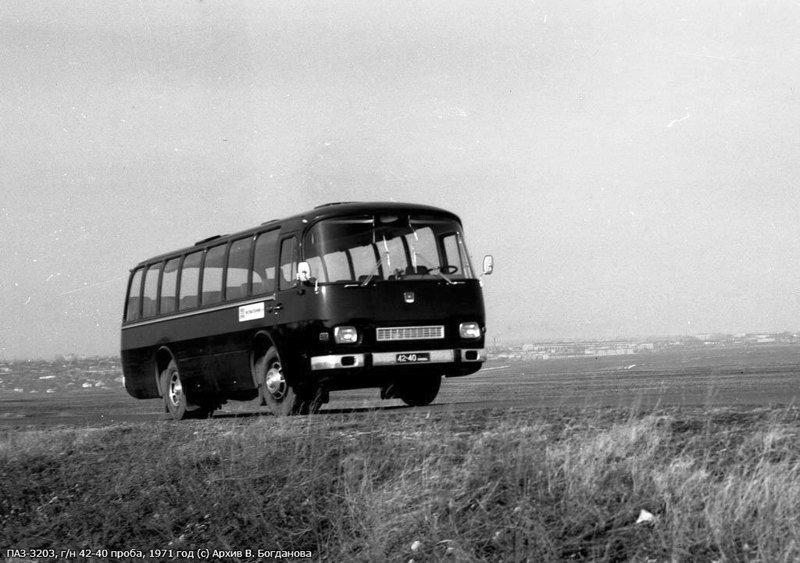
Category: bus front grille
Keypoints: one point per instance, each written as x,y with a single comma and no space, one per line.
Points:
385,334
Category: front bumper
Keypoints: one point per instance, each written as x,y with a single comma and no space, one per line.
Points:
381,359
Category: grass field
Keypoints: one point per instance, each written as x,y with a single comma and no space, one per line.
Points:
511,485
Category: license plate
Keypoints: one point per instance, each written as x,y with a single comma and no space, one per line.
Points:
413,358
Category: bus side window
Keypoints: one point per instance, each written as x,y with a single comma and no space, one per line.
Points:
169,286
264,259
133,308
150,295
288,263
190,281
238,270
212,275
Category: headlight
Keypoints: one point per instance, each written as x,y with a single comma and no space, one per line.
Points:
345,335
469,330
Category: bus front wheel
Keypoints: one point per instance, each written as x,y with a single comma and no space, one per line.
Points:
281,397
419,392
175,401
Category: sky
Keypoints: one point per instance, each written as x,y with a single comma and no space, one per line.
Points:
631,166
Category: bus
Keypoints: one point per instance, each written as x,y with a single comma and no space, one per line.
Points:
345,296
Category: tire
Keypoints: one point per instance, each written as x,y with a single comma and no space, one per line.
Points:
176,403
276,392
419,392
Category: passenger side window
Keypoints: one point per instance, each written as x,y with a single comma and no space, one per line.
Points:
150,291
212,275
238,275
169,286
190,281
132,310
266,256
288,263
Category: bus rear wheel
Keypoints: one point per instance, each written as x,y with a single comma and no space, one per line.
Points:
176,403
419,392
274,389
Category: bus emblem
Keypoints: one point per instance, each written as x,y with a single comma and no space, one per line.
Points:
408,296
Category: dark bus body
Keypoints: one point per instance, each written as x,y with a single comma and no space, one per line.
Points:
346,296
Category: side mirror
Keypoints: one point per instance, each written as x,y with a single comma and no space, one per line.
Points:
303,272
488,264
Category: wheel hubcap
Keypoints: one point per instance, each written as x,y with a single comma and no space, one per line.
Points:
175,389
275,382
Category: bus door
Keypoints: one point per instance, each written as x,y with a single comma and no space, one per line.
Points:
287,307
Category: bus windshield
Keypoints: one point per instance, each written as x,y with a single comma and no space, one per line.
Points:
367,248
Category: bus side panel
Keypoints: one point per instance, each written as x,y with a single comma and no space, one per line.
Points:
139,369
217,366
212,350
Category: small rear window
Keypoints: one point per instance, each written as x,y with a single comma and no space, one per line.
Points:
133,306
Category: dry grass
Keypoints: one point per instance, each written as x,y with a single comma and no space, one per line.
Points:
471,486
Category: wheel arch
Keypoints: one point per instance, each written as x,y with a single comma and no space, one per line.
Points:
263,340
162,359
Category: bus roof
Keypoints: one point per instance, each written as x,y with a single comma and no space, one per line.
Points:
301,220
